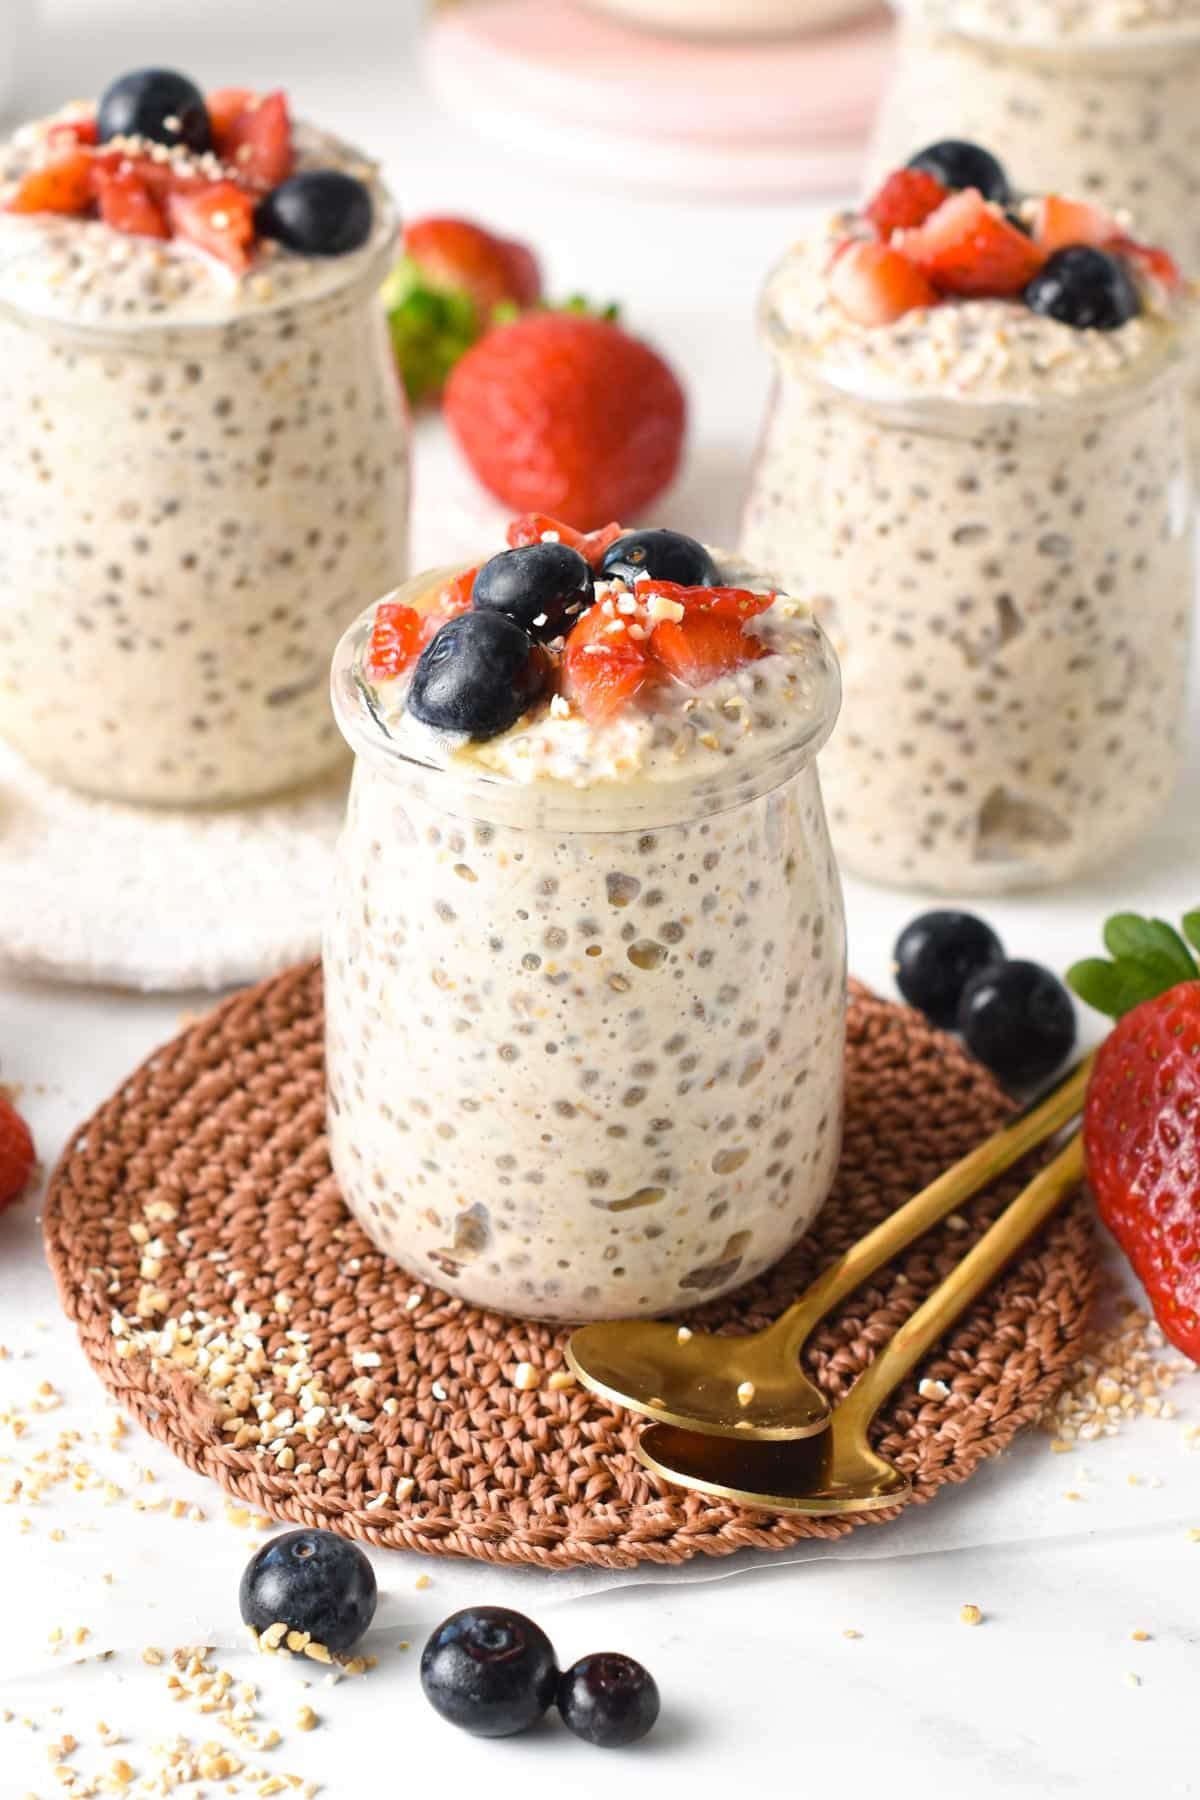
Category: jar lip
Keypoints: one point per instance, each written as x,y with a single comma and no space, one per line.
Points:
967,21
482,794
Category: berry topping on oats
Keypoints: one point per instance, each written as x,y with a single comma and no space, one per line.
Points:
958,164
662,554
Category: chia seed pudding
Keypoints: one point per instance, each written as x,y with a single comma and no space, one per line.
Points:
205,474
1099,98
585,983
991,513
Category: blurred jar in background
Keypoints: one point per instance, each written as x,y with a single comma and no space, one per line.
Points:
731,19
17,23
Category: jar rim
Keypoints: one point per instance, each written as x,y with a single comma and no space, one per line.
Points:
965,21
481,794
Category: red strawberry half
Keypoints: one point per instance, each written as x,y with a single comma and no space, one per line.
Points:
875,284
968,247
703,646
16,1153
605,666
907,198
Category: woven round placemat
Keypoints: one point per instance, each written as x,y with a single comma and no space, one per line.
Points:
228,1301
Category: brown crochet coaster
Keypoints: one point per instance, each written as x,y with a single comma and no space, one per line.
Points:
228,1302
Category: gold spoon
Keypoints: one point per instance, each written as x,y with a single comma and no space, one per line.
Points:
753,1386
839,1472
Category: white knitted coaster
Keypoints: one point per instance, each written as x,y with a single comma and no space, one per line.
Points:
141,897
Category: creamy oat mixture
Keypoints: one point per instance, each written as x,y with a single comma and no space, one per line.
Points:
205,475
585,1038
991,513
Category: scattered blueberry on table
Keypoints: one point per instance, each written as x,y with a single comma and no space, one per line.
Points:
935,957
311,1581
608,1699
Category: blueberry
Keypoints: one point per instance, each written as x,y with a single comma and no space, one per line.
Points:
1017,1018
958,164
608,1699
320,212
936,955
156,104
666,555
490,1671
1086,288
478,675
311,1581
550,583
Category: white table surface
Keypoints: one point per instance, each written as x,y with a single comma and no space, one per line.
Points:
759,1681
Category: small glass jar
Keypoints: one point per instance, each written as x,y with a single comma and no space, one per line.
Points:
1009,590
190,514
584,1044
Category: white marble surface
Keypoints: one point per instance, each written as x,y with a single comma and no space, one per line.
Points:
761,1684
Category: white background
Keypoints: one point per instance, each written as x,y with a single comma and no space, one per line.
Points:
760,1685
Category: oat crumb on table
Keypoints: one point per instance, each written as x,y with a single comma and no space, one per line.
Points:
971,1615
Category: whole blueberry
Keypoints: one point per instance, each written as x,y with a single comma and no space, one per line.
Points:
489,1671
1086,288
478,675
320,212
1017,1018
310,1581
959,164
936,955
664,555
608,1699
541,587
156,104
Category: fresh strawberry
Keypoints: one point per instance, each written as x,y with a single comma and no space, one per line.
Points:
69,134
534,528
605,666
702,646
1150,261
725,602
1059,222
256,138
219,218
875,285
16,1153
907,198
568,414
444,293
127,203
62,185
968,247
396,640
1141,1126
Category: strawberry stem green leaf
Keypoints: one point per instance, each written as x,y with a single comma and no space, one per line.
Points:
431,328
1148,958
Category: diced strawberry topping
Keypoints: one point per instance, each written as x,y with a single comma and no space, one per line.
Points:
452,598
257,140
726,602
397,638
226,105
62,185
703,646
127,204
66,134
605,666
531,528
968,247
907,198
874,284
1150,260
1059,222
219,218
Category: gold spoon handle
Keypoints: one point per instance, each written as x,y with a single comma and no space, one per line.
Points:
950,1190
977,1270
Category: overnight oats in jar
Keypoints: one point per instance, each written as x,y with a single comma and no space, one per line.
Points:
585,977
206,445
975,466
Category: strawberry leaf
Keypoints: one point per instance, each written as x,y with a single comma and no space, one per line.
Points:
1191,928
1105,987
1148,958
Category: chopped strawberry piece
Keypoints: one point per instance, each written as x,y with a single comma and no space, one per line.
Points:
127,204
225,106
725,602
532,528
219,218
397,637
907,198
16,1153
1059,222
1149,260
257,141
605,666
67,134
968,247
452,598
874,284
703,646
62,185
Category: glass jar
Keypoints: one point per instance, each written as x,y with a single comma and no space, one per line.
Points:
584,1044
717,19
1009,590
190,514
